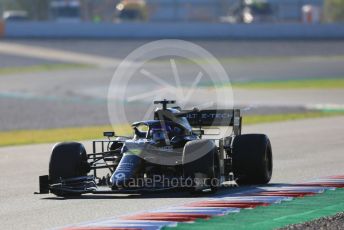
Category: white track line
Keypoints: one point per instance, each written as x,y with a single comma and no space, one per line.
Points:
57,55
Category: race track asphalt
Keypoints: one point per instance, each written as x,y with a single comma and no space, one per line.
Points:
116,48
78,97
303,149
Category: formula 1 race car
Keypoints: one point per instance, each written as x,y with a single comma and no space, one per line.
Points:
196,150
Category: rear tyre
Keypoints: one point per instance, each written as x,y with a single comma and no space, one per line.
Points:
252,159
67,160
201,157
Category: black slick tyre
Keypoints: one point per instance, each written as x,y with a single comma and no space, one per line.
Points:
252,159
67,160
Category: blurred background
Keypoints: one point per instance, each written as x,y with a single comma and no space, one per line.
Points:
226,11
285,58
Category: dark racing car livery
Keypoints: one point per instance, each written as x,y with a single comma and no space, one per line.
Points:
196,150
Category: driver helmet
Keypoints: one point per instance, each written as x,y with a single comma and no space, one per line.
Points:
157,135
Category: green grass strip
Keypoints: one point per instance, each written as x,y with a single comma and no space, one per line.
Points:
261,59
22,137
299,210
252,59
269,118
39,68
323,83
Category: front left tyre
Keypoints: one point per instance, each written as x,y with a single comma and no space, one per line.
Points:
67,160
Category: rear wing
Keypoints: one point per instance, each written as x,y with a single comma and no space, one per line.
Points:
211,122
207,119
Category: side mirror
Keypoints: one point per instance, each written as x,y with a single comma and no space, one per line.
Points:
109,134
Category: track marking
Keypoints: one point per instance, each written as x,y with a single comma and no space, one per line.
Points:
216,206
57,55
